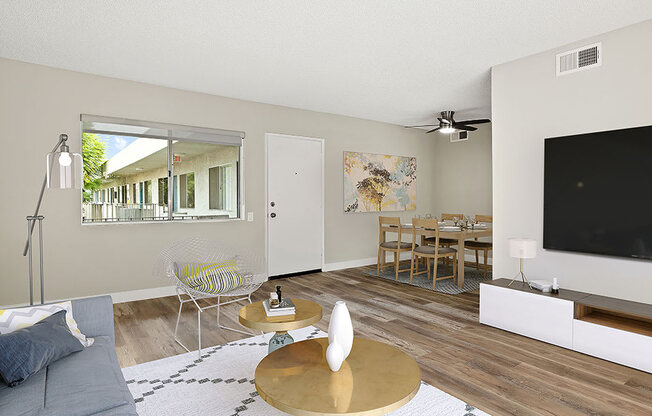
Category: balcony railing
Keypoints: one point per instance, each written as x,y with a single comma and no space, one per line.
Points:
94,212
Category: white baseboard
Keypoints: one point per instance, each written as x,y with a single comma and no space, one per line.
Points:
140,294
117,297
328,267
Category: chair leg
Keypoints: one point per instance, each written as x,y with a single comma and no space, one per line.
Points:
434,271
412,266
199,333
486,254
455,268
219,325
218,311
380,251
176,327
396,258
477,261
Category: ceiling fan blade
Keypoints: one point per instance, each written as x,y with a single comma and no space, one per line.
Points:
443,120
430,131
466,128
478,121
423,125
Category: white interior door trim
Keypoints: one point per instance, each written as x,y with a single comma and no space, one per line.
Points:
323,200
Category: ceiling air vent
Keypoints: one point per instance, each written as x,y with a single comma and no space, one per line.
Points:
459,137
579,59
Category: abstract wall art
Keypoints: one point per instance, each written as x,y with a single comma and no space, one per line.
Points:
375,183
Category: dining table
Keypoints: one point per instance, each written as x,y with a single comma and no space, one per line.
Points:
461,234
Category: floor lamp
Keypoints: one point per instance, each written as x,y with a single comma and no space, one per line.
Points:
522,248
63,170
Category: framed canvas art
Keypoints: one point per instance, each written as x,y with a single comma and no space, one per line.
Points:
374,183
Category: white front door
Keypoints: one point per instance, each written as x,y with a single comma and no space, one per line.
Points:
294,204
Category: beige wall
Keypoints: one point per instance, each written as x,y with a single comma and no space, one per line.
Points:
529,103
462,173
38,103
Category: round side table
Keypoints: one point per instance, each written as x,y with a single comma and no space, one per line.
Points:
375,379
253,316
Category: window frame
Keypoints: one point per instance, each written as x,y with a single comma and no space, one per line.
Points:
182,189
220,166
238,173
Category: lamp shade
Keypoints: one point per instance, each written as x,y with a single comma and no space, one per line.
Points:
64,170
522,248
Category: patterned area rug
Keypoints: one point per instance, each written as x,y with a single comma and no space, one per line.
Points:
222,384
472,278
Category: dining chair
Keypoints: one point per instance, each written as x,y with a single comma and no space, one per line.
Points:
391,225
447,242
478,246
430,229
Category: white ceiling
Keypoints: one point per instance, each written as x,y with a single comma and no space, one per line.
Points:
393,61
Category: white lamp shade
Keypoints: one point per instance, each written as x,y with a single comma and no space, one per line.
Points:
522,248
64,170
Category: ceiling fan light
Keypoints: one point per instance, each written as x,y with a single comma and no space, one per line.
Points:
447,130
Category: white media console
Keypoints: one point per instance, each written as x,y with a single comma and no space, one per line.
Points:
608,328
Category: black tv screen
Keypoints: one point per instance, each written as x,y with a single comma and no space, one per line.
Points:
598,193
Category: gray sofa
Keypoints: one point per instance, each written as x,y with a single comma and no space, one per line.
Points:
88,382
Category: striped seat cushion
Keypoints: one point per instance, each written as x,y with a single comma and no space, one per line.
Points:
214,277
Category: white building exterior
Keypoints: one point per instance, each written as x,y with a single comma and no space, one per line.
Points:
205,183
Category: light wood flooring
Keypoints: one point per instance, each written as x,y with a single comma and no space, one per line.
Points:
496,371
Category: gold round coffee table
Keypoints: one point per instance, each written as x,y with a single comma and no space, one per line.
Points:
375,379
253,316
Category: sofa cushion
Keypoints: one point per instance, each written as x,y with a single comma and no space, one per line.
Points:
17,318
26,351
126,410
87,382
26,399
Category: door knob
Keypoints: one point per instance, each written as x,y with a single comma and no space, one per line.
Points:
273,215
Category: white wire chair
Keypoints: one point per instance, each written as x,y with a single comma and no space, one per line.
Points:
250,268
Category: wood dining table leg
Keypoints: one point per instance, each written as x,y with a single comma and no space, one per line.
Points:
460,261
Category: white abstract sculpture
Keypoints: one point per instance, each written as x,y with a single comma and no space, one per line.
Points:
334,355
341,328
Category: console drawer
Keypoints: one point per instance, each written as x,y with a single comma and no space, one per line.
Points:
622,347
540,317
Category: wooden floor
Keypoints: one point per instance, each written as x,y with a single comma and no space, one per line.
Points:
496,371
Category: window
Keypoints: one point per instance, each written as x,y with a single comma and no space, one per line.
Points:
147,186
130,166
163,192
187,190
220,188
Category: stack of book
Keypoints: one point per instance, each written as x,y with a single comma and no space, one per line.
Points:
286,307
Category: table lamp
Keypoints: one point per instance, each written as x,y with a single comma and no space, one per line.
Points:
63,170
522,248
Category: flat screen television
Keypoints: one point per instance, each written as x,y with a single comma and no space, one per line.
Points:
598,193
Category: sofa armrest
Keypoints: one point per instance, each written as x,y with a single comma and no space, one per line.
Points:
94,316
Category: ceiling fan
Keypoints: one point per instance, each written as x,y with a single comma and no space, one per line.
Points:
448,125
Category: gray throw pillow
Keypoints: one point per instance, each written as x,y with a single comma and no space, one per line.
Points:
26,351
